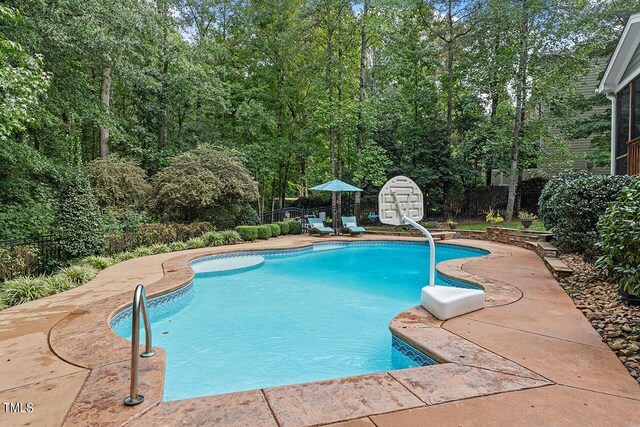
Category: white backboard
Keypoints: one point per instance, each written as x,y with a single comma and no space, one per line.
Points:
409,199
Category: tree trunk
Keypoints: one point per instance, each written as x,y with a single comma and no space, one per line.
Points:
105,97
449,71
363,56
164,75
521,95
330,30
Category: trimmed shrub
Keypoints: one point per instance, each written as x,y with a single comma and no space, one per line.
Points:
212,238
571,204
197,181
196,243
77,221
160,248
79,274
230,237
97,262
275,230
295,227
60,283
246,215
24,289
118,182
264,232
284,227
248,233
619,230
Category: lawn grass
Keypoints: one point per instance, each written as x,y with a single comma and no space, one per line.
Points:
516,225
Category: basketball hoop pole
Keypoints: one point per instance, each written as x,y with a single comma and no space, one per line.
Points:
432,245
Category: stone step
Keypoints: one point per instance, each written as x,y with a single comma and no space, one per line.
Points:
443,235
557,267
546,249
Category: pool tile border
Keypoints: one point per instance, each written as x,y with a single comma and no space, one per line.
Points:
90,327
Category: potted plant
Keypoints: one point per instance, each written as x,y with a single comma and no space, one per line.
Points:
451,223
526,219
493,218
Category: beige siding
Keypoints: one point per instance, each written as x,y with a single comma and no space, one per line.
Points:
582,147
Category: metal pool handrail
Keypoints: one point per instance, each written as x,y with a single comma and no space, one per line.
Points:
139,305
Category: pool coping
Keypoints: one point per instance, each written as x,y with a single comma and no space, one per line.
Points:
83,339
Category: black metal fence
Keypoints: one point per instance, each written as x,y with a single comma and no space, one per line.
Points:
469,207
28,256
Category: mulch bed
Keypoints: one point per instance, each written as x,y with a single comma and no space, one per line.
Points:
616,322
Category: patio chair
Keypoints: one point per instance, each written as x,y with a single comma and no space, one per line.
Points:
349,225
317,227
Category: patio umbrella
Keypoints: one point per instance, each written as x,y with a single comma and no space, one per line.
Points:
335,186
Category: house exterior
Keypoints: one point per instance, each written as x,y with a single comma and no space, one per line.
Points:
580,148
621,84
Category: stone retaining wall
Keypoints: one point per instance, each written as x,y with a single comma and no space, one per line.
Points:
523,238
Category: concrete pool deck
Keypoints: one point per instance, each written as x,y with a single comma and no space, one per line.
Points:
529,358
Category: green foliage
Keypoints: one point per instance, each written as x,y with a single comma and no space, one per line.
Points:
160,248
60,283
284,227
371,165
295,227
149,234
246,215
177,246
142,251
22,79
24,289
118,183
264,232
79,273
212,238
571,205
97,262
248,233
123,256
200,179
230,237
196,243
17,261
275,230
619,239
77,221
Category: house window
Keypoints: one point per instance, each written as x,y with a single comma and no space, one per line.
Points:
623,133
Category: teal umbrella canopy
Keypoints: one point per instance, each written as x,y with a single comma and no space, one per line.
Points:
335,185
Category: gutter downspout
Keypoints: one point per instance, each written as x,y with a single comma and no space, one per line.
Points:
611,97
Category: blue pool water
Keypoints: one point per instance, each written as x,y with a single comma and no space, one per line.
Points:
298,317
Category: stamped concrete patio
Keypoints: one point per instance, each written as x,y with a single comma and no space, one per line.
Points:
529,358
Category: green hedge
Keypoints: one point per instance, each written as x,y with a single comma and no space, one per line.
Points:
248,233
275,229
264,232
619,241
284,227
571,204
295,227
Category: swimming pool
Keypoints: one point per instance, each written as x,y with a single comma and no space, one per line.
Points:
293,316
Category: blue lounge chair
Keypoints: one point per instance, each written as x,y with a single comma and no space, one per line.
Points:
349,225
317,226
